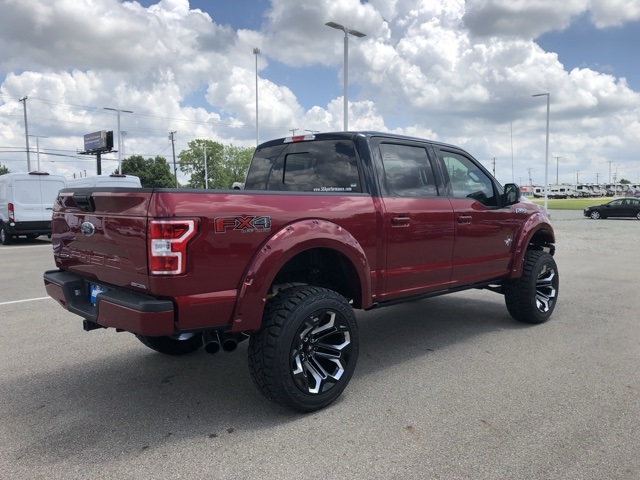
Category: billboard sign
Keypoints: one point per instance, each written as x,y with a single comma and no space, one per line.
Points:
101,141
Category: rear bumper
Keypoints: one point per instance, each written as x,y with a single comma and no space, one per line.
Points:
25,228
130,311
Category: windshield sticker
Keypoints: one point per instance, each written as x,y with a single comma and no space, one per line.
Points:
243,224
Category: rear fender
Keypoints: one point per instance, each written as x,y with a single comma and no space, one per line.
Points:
282,247
537,226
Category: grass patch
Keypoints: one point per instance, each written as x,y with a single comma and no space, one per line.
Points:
571,203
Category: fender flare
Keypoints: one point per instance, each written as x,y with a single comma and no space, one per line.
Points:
534,224
282,247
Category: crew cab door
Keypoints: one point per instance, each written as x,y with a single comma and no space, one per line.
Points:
417,224
484,231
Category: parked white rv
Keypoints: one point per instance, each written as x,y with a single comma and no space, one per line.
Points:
26,204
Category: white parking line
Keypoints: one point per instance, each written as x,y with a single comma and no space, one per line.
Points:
18,247
26,300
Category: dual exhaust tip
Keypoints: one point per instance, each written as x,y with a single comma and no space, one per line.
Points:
214,341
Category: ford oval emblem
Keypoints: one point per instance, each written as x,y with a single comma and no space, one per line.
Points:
88,229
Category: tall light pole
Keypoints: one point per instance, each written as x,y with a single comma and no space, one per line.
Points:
118,111
546,157
557,168
26,131
355,33
256,52
38,137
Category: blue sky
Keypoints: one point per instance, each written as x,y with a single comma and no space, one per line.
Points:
612,50
458,71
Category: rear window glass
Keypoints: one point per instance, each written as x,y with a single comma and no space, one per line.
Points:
318,166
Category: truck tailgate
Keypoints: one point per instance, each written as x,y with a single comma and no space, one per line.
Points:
102,234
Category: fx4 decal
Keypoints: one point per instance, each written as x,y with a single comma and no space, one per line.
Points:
244,224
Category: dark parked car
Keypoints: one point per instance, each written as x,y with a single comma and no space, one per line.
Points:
620,207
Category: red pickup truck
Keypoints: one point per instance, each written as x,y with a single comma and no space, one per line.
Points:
326,224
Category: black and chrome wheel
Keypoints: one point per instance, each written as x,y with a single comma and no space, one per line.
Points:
595,215
173,345
5,237
532,297
307,350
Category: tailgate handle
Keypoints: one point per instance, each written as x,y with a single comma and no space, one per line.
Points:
84,202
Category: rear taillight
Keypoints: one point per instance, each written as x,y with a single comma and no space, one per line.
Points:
168,241
12,216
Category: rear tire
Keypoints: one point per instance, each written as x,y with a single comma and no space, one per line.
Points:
174,345
532,297
5,237
307,350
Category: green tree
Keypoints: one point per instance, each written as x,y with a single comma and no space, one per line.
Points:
153,172
3,170
624,181
225,164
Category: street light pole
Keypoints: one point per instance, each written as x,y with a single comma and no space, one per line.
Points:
256,52
118,111
546,158
355,33
38,137
557,168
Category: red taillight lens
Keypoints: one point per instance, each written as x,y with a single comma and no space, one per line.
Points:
168,241
12,216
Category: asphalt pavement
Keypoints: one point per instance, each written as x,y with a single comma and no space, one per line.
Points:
445,388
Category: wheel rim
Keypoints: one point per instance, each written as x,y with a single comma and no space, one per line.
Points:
321,351
546,289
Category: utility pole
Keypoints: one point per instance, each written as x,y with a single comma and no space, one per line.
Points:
610,162
124,134
577,176
494,166
256,52
118,112
597,179
557,167
173,149
293,130
530,181
26,131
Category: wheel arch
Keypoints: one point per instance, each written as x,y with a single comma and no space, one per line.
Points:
536,234
337,259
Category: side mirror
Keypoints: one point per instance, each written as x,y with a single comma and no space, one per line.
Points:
511,194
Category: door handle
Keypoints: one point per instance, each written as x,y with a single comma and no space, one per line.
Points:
464,219
400,221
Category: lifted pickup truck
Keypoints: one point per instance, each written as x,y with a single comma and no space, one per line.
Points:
326,224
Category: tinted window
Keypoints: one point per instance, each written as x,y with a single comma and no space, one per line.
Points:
407,170
318,166
467,179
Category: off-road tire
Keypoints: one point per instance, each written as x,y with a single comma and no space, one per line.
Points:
178,345
5,237
532,297
307,349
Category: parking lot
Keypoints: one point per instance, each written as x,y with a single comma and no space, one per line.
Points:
446,388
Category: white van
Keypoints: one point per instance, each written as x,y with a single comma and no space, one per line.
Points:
26,204
115,180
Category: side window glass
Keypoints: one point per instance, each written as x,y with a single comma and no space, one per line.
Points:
467,180
407,170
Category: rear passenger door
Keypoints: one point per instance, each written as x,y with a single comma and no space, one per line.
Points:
484,231
417,223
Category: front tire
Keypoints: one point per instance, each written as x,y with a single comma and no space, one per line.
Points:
174,345
5,237
532,297
595,215
307,350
